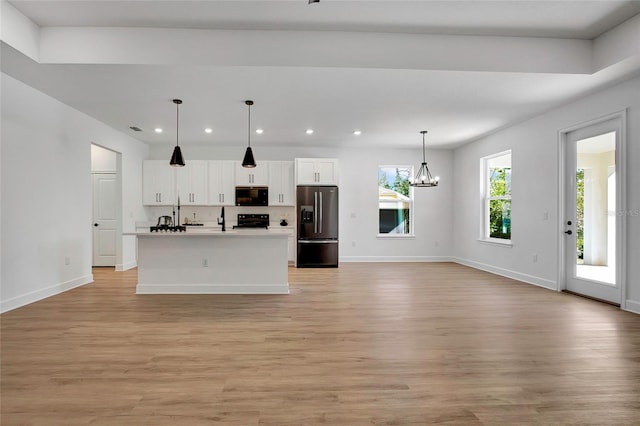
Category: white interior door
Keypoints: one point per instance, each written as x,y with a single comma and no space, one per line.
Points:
592,227
105,223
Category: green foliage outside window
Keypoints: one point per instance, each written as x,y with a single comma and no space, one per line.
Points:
580,214
400,182
394,210
500,209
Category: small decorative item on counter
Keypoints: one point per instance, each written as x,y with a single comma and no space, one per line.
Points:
283,221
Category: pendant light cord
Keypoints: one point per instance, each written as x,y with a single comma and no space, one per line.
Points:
177,121
249,127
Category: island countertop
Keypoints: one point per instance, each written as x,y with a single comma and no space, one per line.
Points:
209,232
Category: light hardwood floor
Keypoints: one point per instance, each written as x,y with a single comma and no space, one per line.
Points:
391,343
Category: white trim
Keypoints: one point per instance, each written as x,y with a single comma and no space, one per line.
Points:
212,289
496,242
121,267
349,259
529,279
632,306
37,295
395,236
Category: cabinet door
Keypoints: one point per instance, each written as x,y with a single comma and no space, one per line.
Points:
327,169
222,183
306,171
158,183
228,183
275,183
254,176
316,171
287,187
192,183
281,183
292,249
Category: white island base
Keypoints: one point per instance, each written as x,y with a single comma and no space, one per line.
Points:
212,263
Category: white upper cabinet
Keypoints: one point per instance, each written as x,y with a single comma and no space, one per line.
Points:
316,171
254,176
192,183
158,183
222,183
281,184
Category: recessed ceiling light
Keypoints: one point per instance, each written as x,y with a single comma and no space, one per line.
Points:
157,130
309,131
259,131
357,132
208,130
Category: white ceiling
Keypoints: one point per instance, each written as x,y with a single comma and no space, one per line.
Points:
390,105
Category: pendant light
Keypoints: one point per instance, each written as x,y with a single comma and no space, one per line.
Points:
176,158
423,177
248,160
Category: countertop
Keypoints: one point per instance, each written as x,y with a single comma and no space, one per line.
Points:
217,232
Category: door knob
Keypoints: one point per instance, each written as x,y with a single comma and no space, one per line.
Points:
95,224
568,232
569,223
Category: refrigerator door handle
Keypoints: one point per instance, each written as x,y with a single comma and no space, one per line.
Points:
320,212
315,216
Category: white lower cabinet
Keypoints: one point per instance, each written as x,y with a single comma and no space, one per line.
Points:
292,248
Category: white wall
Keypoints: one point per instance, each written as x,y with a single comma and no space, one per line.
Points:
103,160
46,193
359,197
534,146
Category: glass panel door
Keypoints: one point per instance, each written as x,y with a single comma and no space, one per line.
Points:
591,226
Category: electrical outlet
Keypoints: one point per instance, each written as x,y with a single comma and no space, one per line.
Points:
436,244
353,243
545,216
535,258
67,260
205,263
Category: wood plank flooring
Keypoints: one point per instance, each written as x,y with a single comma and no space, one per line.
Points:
383,344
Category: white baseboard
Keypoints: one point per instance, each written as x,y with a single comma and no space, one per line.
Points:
632,306
121,267
34,296
212,289
348,259
529,279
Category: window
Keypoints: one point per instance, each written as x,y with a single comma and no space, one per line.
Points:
496,221
395,201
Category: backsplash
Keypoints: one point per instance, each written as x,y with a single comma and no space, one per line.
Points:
208,215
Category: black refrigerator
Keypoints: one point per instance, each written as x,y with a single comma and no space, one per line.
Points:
317,209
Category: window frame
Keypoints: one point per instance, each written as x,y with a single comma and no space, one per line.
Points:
486,198
411,201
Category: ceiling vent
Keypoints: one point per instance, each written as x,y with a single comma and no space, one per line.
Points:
135,129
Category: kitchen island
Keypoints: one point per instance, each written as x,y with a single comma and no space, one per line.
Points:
212,262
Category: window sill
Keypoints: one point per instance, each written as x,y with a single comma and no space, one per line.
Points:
496,242
395,237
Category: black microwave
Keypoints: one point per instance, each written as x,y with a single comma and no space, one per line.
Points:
252,196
